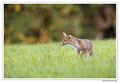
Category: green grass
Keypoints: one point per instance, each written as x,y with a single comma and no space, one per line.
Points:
54,61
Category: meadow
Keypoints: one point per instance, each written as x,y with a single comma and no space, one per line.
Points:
50,60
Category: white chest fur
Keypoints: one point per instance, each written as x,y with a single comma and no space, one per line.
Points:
76,46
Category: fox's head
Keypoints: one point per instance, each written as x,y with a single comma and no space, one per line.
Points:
66,39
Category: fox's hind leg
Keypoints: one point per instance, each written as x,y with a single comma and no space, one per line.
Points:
91,52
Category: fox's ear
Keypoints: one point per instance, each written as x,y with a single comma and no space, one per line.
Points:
65,34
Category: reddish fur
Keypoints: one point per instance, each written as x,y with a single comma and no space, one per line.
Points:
84,44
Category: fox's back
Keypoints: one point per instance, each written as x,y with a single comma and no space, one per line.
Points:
88,43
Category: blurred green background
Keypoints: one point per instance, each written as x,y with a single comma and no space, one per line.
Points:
34,23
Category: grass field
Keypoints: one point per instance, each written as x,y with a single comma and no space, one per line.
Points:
54,61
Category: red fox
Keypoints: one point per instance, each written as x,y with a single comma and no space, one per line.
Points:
83,45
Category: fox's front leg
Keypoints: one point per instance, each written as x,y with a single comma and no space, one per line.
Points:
78,51
84,52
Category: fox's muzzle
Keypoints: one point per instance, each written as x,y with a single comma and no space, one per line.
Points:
61,44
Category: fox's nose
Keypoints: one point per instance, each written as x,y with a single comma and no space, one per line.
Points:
61,44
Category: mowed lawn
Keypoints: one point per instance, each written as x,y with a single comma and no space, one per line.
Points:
54,61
